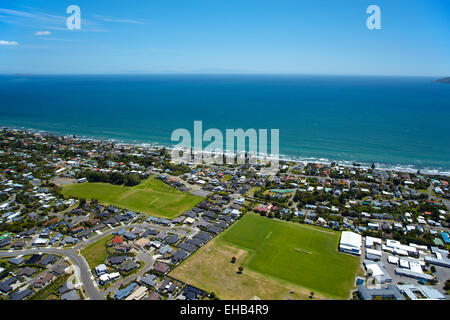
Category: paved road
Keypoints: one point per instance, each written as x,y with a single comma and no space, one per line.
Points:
78,260
142,256
91,291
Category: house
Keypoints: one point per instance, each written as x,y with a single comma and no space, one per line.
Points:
160,267
59,269
70,295
161,236
142,242
122,248
129,236
100,269
20,295
187,247
121,294
203,236
35,258
172,239
213,229
138,294
165,249
27,271
117,240
128,266
68,240
153,296
5,288
104,278
192,293
195,241
148,280
42,281
16,261
116,260
49,259
178,256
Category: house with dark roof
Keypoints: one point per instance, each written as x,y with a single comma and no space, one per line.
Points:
130,236
149,232
203,236
27,271
187,247
44,280
192,293
160,267
116,260
214,229
48,259
59,269
20,295
195,241
128,266
148,280
19,244
5,242
5,288
35,258
178,256
153,296
172,239
161,236
16,261
70,295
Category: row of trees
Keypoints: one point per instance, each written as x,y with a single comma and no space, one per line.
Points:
115,178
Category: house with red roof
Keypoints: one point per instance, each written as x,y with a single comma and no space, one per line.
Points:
117,240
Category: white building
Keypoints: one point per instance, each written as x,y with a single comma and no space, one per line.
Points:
350,243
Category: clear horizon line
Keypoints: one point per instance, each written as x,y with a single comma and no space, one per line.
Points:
220,73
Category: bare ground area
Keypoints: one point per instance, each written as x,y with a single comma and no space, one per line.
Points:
211,269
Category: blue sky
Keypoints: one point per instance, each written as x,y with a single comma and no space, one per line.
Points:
226,36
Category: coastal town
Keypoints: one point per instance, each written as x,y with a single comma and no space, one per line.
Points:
84,219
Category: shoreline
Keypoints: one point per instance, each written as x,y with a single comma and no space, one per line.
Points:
283,157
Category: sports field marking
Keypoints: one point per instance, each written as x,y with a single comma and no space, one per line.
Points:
302,251
152,202
268,235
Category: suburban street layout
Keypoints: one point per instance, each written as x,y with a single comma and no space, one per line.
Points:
95,220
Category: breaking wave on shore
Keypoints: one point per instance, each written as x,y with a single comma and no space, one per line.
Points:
283,157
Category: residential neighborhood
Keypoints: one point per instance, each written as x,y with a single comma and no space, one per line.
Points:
59,246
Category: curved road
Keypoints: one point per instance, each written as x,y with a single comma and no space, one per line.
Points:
78,260
90,286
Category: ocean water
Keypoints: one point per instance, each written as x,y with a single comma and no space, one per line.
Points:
393,121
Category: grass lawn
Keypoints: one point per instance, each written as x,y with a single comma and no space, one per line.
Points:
151,197
95,253
252,191
227,177
274,254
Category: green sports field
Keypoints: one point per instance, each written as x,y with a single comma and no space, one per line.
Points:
152,197
299,254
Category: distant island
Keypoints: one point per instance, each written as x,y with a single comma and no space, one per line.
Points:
443,80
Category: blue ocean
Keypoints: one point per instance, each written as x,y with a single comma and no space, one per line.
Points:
400,122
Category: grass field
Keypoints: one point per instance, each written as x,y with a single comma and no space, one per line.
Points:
95,253
152,197
276,255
